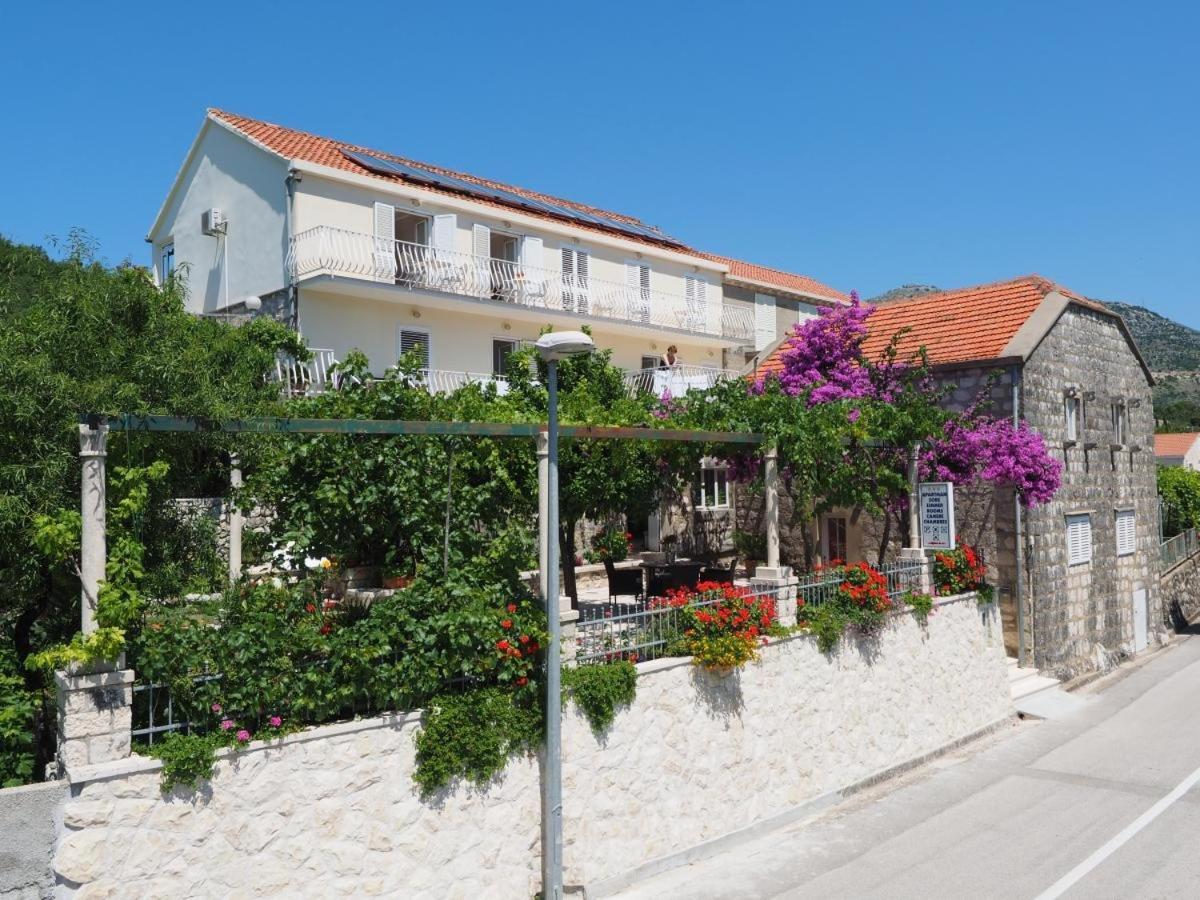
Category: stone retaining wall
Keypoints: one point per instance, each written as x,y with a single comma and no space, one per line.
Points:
333,811
1181,593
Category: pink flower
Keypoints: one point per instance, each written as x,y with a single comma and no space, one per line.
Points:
216,707
243,735
275,721
226,724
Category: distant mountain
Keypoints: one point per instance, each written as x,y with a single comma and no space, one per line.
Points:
905,292
1167,345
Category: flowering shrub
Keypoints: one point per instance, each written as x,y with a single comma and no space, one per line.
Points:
958,571
611,543
723,625
995,451
860,600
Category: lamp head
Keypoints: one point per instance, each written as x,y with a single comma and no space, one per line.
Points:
252,303
558,345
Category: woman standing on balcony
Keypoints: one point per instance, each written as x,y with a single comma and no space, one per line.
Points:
670,358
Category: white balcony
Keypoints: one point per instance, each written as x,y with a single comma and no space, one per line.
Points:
674,381
325,250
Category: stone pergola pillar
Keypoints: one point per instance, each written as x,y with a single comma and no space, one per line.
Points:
773,577
236,522
93,451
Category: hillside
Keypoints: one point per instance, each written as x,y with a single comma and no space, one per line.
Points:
1167,345
904,292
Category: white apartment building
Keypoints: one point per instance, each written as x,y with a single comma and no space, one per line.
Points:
363,249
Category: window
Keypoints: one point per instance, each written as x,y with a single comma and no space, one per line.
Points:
502,349
1071,418
1120,422
166,263
415,340
575,280
650,362
1126,532
714,485
835,539
1079,539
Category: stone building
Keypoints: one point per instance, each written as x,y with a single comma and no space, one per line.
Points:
1077,578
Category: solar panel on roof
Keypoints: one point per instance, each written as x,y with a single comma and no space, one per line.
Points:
424,176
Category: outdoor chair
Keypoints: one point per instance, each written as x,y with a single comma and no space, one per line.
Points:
623,582
719,574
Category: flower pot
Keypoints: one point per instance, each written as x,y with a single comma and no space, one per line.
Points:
96,667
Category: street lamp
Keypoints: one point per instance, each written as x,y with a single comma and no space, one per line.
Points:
552,347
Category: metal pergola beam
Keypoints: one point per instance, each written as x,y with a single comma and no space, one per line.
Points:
384,427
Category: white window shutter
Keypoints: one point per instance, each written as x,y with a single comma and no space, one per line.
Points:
764,320
532,254
481,240
444,227
1126,532
637,283
385,242
1079,539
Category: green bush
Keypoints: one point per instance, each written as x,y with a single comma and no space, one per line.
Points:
1179,489
599,690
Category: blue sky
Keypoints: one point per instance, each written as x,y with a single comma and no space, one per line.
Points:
866,144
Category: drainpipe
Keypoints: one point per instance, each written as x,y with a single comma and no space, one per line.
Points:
293,178
1018,518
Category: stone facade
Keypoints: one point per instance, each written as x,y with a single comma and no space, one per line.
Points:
333,811
1082,616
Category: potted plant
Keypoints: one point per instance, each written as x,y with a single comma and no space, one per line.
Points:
669,543
750,546
396,577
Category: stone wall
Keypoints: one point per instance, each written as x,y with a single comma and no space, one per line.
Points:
28,822
1181,594
333,811
1082,615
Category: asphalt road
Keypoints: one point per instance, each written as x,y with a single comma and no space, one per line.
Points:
1102,803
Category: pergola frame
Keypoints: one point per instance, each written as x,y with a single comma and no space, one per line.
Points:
94,429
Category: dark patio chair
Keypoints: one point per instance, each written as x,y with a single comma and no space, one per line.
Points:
719,574
623,582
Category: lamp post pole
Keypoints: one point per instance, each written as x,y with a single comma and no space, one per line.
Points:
552,822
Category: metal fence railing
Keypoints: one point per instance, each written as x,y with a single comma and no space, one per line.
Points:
154,711
648,631
902,575
1175,550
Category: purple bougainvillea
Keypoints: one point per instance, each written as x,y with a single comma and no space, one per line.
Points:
996,451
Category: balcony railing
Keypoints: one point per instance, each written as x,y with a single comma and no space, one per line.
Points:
326,250
443,381
300,379
674,381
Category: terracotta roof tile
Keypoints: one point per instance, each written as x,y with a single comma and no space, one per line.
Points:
292,144
1174,445
797,284
972,324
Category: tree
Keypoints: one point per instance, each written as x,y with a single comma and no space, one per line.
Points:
78,337
598,479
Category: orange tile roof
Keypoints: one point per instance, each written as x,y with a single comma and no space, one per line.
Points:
796,284
292,144
1174,445
973,324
